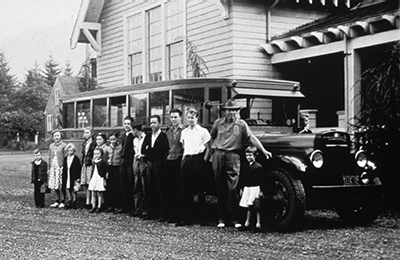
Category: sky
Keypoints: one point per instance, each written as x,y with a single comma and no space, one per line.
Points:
32,30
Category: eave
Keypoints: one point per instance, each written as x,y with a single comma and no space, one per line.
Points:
87,28
320,40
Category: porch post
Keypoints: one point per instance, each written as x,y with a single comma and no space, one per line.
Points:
352,69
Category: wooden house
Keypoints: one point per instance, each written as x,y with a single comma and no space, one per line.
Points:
323,44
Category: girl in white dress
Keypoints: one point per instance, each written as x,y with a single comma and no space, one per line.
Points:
97,183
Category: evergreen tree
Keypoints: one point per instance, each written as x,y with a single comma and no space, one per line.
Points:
68,69
7,83
51,71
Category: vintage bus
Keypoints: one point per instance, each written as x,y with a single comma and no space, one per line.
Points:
265,102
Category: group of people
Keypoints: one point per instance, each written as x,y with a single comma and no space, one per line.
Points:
156,175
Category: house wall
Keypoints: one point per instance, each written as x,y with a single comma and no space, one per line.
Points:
230,47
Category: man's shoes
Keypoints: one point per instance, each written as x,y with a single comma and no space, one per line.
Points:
237,225
88,206
54,205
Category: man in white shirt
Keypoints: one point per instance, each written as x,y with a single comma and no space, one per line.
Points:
195,141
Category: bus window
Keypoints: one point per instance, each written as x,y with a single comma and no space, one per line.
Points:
214,111
184,99
68,112
117,110
83,114
139,108
100,112
260,109
159,105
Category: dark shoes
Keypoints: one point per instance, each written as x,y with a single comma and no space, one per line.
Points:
162,220
93,210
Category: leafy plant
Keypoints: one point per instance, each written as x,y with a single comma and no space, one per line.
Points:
379,118
195,61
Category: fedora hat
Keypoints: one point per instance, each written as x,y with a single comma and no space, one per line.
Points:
231,104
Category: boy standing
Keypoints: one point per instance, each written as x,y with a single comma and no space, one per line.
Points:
39,178
155,149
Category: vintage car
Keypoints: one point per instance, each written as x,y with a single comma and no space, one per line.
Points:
318,171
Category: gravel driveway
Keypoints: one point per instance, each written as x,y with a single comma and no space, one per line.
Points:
30,233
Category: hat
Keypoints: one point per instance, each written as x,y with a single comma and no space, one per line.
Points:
231,104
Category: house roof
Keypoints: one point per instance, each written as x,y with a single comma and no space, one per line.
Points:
68,85
348,17
358,22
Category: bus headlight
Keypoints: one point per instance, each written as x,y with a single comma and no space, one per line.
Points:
361,159
317,159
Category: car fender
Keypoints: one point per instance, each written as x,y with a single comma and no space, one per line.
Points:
292,163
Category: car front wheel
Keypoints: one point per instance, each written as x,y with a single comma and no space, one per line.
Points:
285,200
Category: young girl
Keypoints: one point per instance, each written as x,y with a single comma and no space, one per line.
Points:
250,178
56,159
38,178
96,185
88,146
114,161
71,173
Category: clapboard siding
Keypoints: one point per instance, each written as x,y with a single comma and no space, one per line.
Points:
212,36
230,47
285,19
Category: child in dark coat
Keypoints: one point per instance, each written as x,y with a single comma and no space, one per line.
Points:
39,178
71,174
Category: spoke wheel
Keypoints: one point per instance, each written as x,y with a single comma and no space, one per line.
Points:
285,200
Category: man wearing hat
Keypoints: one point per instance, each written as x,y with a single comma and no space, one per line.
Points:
228,137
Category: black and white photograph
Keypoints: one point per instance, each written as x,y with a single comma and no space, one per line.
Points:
200,129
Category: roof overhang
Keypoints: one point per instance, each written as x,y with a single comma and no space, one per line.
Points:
318,40
87,28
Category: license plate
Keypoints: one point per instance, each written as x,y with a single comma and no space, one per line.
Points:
351,179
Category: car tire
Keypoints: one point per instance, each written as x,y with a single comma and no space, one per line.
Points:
285,200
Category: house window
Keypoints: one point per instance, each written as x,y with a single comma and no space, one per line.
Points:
153,44
56,95
174,39
175,60
49,123
135,64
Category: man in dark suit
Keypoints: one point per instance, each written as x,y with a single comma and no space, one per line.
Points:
126,168
155,150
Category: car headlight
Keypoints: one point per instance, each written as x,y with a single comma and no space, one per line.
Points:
361,159
317,159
